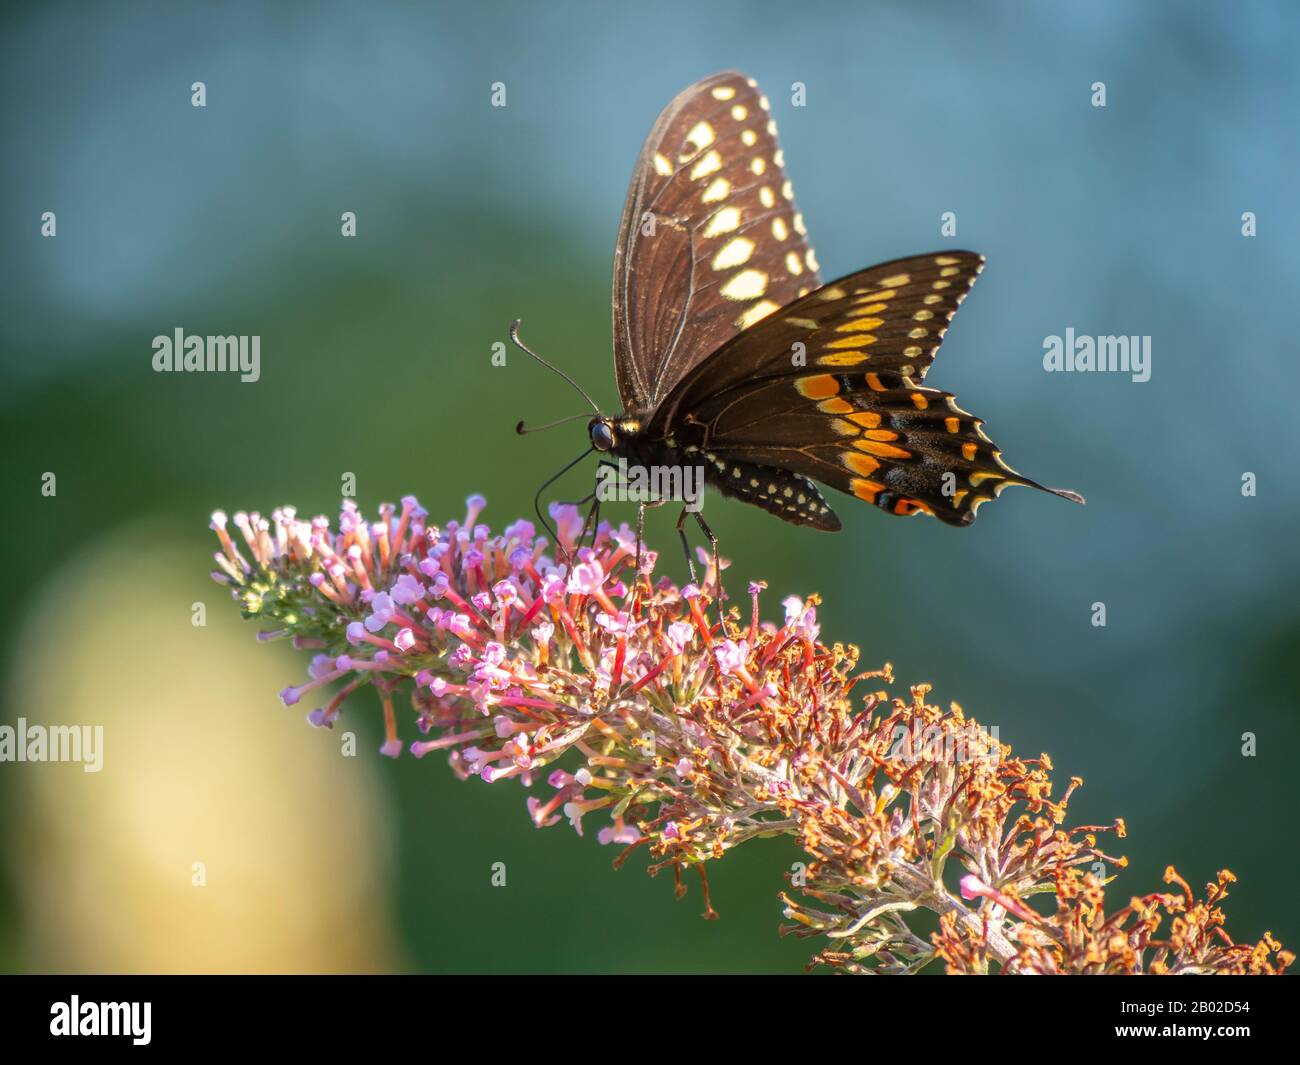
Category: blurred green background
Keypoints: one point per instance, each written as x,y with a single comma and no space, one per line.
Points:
376,361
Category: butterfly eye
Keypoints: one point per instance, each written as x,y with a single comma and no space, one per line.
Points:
602,437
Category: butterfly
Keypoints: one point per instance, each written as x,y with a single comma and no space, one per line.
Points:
731,354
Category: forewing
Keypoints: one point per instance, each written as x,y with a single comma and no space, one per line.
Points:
711,241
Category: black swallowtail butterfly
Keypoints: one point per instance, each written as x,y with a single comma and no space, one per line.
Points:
731,354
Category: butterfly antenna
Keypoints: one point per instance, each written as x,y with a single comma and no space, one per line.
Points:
524,430
514,336
537,499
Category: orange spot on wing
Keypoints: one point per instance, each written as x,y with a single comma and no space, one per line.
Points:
866,490
952,424
911,506
873,383
968,452
863,464
837,406
865,418
822,386
885,451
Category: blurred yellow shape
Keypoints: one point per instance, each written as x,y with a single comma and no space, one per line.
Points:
202,764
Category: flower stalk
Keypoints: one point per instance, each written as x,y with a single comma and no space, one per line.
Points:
614,700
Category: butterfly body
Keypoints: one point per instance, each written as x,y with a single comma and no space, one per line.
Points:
732,355
778,491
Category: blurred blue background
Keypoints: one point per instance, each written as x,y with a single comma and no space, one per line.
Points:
376,360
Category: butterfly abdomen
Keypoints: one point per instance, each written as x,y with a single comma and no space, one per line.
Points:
787,495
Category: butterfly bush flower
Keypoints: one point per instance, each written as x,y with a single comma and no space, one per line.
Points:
628,714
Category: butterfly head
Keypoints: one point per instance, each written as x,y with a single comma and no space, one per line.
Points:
608,433
602,434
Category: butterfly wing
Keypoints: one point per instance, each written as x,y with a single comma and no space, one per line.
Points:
710,242
829,388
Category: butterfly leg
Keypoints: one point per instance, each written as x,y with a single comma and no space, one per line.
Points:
719,592
641,508
686,547
592,520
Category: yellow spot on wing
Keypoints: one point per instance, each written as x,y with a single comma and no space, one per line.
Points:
757,313
758,166
842,358
740,112
701,136
723,221
946,260
662,165
793,264
765,197
717,190
887,294
746,285
724,92
778,229
735,252
749,138
823,386
895,281
860,340
859,324
706,166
